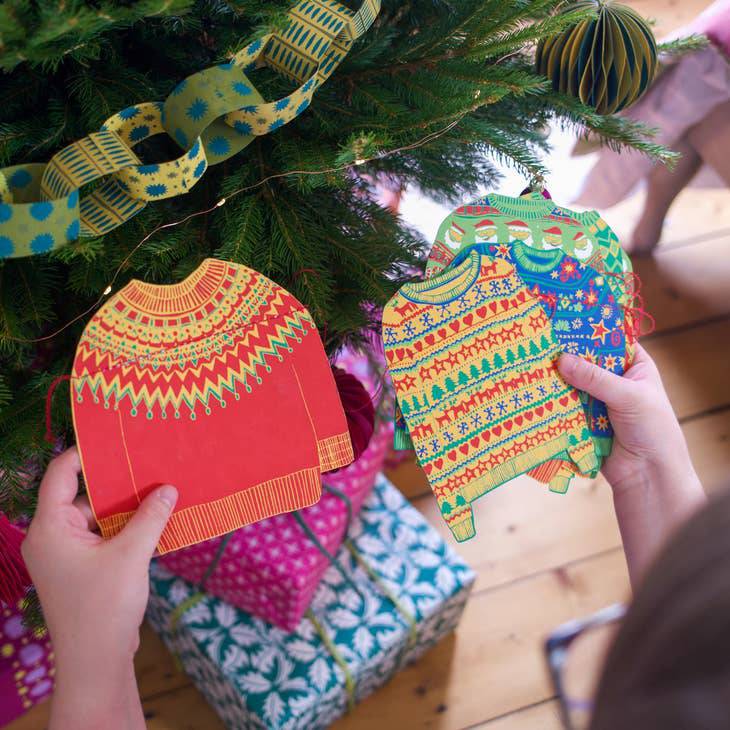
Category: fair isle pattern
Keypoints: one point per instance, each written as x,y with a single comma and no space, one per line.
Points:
188,384
212,115
473,360
182,363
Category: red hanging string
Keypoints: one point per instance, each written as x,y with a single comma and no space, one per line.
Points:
635,314
49,402
14,578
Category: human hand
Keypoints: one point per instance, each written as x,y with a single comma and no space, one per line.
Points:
94,593
654,483
647,435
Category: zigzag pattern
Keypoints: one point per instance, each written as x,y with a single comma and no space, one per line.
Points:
120,358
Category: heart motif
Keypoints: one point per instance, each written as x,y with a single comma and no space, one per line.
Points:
430,339
529,415
539,410
400,351
521,296
464,448
455,325
505,303
485,435
438,463
390,355
493,306
442,333
574,394
508,424
497,430
409,352
518,420
452,455
468,320
482,312
563,401
418,345
428,468
549,405
475,441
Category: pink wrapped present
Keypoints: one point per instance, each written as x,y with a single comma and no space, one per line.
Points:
271,568
26,666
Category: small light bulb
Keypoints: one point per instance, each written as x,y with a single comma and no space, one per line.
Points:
108,290
359,161
221,202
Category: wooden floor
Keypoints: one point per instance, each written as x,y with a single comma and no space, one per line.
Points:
541,558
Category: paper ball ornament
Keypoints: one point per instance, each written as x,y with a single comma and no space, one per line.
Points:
358,408
607,61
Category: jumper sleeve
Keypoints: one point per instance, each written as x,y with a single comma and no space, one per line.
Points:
321,398
402,440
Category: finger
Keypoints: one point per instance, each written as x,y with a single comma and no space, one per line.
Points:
613,390
60,483
82,505
142,532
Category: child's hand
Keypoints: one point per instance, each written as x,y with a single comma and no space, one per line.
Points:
647,435
654,483
93,593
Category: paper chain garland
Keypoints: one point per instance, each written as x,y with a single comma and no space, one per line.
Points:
212,114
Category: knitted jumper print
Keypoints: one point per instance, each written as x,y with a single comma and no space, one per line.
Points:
585,317
218,385
473,360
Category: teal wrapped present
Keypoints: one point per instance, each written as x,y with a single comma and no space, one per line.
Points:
400,589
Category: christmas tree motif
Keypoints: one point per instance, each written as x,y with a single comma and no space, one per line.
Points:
521,352
510,356
474,371
534,349
463,378
436,393
450,385
485,366
498,362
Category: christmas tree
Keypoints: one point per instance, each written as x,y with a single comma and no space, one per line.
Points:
430,95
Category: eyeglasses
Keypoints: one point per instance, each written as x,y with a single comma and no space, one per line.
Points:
575,653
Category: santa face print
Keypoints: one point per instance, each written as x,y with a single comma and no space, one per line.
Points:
552,237
485,231
519,231
583,247
454,237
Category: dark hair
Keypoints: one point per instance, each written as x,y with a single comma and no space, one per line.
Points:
669,667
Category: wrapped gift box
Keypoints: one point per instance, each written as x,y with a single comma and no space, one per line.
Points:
399,592
272,568
26,666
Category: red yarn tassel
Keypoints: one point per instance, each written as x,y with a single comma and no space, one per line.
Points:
14,578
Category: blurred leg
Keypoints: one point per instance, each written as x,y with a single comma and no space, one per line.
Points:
711,139
663,186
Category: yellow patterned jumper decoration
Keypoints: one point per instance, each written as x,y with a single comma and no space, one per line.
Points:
473,360
211,115
202,385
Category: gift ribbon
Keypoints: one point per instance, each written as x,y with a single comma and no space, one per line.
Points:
211,115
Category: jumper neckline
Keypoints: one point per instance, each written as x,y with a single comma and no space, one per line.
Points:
188,295
530,207
430,290
536,259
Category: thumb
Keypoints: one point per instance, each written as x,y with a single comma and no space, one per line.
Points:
612,389
142,532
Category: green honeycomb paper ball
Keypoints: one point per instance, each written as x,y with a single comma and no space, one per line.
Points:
607,61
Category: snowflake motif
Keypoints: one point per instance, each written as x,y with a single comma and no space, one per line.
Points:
463,428
541,390
502,408
516,400
579,294
389,335
435,446
476,420
448,436
494,286
556,386
553,274
489,413
410,329
577,323
527,396
571,347
427,319
479,291
421,451
463,304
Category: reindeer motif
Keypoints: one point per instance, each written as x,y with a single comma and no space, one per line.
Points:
443,420
404,309
459,410
419,432
535,375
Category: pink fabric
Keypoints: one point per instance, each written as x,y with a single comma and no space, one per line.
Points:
26,666
714,22
271,568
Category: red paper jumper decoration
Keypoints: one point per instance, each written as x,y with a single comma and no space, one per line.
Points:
218,385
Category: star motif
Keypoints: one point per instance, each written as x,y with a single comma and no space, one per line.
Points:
591,356
609,362
580,294
553,274
602,423
591,297
599,331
